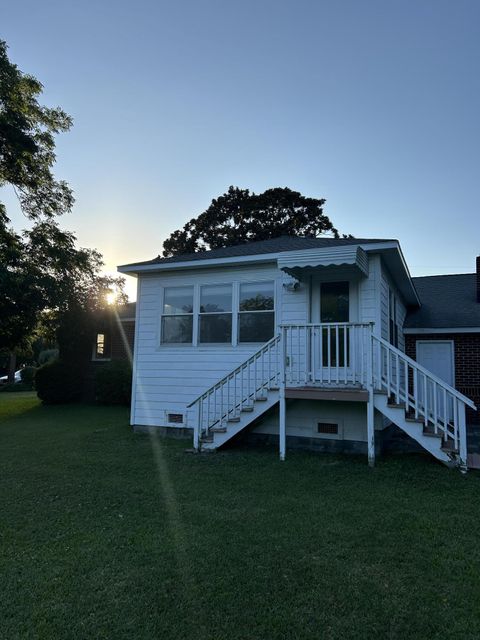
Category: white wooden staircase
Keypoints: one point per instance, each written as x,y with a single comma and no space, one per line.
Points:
329,356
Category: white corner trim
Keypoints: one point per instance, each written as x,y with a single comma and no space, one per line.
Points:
426,330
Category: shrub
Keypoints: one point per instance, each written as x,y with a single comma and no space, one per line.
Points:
113,382
27,375
59,383
47,355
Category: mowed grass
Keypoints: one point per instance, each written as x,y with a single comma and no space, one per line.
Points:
108,534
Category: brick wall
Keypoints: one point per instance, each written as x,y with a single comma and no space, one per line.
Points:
467,363
122,340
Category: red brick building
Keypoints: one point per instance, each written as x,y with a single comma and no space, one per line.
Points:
115,334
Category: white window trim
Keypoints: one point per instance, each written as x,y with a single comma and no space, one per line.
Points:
95,358
180,345
235,284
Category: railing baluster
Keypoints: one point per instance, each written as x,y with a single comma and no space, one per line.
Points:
329,347
307,367
389,379
435,422
345,353
397,378
337,352
445,414
415,391
425,399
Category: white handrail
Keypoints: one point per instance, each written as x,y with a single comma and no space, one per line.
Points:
224,401
422,369
425,397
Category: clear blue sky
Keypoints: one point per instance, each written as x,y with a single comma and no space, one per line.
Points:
374,105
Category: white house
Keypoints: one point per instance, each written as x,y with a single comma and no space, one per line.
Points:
296,340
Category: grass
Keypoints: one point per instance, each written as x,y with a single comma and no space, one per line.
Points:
107,534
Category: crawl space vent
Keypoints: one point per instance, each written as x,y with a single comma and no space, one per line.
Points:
327,427
175,418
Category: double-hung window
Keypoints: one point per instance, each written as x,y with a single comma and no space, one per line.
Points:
215,317
256,315
177,317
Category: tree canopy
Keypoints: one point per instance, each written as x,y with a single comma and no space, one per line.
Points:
242,216
41,268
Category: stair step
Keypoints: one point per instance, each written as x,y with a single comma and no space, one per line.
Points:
419,420
218,429
206,439
274,388
396,405
448,448
233,420
432,434
261,399
247,409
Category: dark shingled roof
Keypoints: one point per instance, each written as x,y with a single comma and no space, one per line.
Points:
447,301
274,245
125,311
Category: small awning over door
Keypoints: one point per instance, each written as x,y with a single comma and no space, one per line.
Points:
301,263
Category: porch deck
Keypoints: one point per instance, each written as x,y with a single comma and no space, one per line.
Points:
312,392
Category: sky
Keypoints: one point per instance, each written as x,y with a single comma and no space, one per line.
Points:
373,105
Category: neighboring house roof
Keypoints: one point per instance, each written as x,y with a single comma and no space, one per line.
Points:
274,245
446,302
126,311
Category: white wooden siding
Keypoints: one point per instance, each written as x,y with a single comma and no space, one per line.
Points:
168,377
386,283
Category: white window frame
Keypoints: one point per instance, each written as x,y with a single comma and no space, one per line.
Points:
213,313
274,310
173,315
235,284
95,357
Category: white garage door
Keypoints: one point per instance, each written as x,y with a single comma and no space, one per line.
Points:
437,357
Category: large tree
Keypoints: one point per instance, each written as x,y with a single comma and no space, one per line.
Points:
242,216
41,267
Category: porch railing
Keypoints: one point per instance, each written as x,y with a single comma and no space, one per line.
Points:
327,353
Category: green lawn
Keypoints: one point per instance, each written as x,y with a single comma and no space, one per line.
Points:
107,534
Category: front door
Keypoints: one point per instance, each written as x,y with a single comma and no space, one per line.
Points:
331,348
438,357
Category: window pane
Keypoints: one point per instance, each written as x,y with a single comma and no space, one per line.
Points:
178,300
257,296
334,302
216,328
214,299
255,327
177,329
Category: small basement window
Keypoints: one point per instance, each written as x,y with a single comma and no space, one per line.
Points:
327,427
175,418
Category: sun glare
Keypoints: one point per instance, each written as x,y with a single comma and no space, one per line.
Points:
111,297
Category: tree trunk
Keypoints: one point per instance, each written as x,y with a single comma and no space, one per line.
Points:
12,365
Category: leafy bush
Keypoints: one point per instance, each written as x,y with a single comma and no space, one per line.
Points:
47,355
59,383
27,375
113,382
